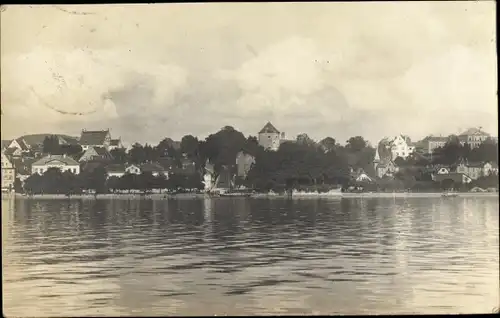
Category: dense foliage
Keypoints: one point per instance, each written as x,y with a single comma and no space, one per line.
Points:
296,164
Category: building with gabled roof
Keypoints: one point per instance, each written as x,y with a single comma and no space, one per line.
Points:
473,136
95,138
270,137
62,162
115,144
96,153
20,144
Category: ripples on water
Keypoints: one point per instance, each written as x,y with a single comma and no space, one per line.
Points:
239,256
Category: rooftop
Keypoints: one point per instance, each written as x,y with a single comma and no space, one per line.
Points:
269,129
90,138
67,160
474,131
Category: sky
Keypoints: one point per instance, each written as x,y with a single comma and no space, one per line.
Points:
326,69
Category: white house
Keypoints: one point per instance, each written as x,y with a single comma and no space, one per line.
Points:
473,136
62,162
115,170
133,169
401,146
443,170
270,138
490,168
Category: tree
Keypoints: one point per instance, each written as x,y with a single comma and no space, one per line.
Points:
137,154
221,148
355,144
487,151
113,183
51,145
145,181
33,184
189,146
74,151
305,139
18,186
328,144
119,155
95,180
165,148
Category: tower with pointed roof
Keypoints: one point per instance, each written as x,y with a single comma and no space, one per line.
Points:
270,137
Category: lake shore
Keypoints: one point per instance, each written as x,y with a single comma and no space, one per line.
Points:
164,196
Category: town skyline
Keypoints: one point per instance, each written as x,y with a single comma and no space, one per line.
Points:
129,143
307,68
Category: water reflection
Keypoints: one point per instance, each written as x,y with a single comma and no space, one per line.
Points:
250,256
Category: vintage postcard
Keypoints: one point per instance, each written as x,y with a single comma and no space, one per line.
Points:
249,159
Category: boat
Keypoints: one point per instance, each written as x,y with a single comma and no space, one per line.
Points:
449,195
235,194
332,193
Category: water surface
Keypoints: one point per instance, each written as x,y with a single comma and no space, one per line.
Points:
241,256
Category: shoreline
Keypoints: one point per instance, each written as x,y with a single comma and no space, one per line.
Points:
157,196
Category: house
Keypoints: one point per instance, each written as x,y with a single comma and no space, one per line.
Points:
13,152
360,175
431,143
490,168
474,170
96,153
401,146
8,174
154,168
473,136
62,162
477,170
244,162
99,138
455,177
386,169
115,144
270,138
443,170
115,170
20,144
133,169
383,164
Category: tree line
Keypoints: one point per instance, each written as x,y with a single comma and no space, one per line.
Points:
53,181
302,162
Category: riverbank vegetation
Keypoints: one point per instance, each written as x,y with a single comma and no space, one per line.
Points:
301,164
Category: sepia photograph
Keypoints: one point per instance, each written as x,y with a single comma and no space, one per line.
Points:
268,158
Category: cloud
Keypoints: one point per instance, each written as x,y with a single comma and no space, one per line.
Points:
151,71
53,86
